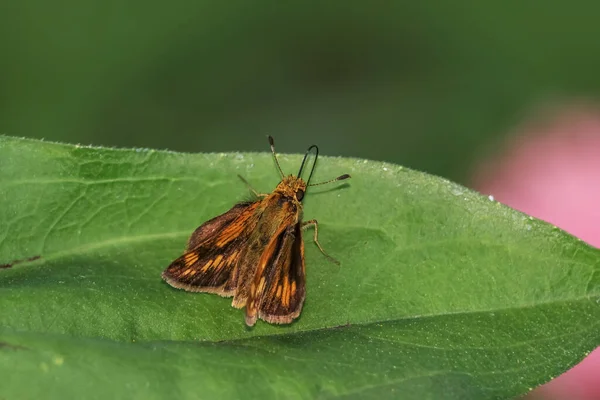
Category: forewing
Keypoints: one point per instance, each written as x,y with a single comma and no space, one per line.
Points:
213,253
210,228
279,290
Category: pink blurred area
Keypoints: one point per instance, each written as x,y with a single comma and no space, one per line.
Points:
550,168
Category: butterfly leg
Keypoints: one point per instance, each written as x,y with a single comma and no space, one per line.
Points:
315,223
251,188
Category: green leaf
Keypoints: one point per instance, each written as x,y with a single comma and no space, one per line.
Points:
441,293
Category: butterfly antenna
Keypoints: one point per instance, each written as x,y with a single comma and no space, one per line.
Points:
304,161
339,178
272,143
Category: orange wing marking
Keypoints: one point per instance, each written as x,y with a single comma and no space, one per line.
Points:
191,258
235,229
207,266
286,293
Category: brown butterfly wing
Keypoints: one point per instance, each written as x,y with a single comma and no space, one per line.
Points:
279,290
211,227
213,253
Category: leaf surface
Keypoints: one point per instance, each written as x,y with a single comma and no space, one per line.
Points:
441,293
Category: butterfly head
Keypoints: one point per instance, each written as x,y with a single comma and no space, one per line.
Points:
294,186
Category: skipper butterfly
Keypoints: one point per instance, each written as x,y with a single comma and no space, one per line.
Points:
254,252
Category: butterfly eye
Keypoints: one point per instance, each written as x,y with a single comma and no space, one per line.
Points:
299,194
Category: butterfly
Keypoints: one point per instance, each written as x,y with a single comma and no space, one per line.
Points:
254,252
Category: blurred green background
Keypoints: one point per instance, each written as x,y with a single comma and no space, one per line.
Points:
431,85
